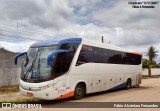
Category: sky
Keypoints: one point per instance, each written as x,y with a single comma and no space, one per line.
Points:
120,24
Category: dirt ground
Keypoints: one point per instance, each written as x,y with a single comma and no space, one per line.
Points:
12,96
149,91
11,93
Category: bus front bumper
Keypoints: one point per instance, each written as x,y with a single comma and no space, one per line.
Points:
47,94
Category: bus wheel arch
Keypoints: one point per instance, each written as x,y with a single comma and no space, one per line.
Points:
128,83
80,90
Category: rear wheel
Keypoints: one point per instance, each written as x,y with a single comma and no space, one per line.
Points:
79,91
128,84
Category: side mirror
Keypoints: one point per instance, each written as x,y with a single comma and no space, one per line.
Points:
17,56
52,55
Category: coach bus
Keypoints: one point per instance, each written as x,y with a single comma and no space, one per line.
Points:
73,67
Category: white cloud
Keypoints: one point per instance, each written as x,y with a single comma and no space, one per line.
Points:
44,13
15,47
140,26
116,20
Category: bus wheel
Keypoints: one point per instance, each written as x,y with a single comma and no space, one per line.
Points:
79,92
128,84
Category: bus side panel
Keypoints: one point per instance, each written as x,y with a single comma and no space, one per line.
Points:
99,82
78,78
120,79
90,84
108,82
137,79
113,80
83,73
129,76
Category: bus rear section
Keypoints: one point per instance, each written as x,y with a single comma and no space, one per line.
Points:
100,69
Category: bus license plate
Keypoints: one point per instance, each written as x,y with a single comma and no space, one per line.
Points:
29,94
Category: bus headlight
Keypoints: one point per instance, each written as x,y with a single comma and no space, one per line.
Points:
46,86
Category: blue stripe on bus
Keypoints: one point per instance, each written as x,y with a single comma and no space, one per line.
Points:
57,41
120,86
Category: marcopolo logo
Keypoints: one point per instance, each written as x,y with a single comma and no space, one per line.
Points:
34,74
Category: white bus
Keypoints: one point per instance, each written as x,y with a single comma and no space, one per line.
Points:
73,67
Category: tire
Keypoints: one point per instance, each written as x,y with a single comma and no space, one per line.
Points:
128,84
79,92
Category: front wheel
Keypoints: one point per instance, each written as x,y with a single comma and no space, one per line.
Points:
79,92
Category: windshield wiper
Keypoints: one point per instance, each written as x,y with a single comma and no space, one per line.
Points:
31,67
27,61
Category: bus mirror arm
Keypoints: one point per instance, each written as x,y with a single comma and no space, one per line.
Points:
17,56
52,55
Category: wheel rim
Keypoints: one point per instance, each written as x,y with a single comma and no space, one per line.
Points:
79,91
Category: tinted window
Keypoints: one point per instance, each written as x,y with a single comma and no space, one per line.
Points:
100,55
89,54
44,69
63,61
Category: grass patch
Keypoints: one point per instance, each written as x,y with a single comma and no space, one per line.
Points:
5,89
23,100
27,100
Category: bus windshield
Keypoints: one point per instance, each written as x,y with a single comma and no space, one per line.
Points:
36,69
44,68
35,65
29,58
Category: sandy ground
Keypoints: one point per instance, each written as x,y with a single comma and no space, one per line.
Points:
149,91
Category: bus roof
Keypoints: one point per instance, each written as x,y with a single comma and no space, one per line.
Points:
56,42
79,41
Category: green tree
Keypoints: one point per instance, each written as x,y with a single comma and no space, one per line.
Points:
147,64
152,53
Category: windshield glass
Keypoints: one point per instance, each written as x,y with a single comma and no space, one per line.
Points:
35,66
36,69
44,68
31,55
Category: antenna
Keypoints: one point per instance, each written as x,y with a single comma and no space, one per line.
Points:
17,25
102,39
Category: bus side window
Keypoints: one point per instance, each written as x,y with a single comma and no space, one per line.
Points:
100,55
63,61
87,55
